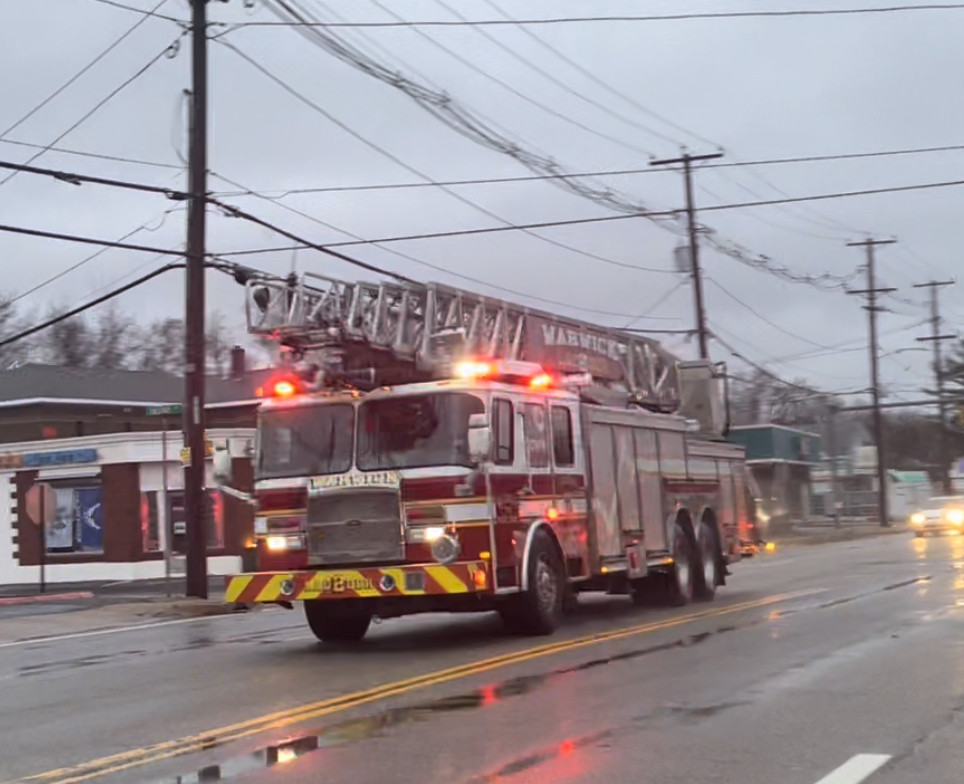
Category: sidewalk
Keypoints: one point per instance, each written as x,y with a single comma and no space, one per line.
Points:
824,532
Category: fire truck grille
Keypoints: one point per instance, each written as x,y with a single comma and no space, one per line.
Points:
355,526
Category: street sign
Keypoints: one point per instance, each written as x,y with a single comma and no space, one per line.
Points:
171,410
41,504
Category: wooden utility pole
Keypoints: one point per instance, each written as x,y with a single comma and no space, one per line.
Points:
687,160
871,307
935,338
194,349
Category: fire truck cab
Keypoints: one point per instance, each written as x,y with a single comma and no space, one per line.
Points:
485,482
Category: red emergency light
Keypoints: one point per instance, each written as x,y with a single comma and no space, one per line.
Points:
282,387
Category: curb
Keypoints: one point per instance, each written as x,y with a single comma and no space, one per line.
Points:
837,536
45,597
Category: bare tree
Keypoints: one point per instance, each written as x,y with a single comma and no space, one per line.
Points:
112,339
160,346
10,322
218,342
68,343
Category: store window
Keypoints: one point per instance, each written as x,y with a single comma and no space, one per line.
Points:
150,521
79,523
214,517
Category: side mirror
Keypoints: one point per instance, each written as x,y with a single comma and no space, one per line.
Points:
480,438
222,466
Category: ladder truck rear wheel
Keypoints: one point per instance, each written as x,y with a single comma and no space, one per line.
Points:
335,624
709,552
538,610
682,582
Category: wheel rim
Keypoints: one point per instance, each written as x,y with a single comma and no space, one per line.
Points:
546,589
709,564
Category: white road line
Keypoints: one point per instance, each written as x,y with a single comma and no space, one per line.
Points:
856,769
113,630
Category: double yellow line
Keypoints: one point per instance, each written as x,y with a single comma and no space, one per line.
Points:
157,752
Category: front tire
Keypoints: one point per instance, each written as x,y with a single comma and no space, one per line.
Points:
332,624
538,610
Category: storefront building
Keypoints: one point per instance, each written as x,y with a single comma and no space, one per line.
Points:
113,461
781,459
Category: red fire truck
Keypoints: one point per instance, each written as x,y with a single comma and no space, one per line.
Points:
425,449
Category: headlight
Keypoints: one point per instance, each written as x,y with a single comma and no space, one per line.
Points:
917,519
955,516
289,542
425,534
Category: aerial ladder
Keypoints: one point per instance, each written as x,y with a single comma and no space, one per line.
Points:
387,333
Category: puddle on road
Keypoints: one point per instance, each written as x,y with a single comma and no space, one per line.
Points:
355,730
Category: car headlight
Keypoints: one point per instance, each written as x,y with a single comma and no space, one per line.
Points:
917,519
955,516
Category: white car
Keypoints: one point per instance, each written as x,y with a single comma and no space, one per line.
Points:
942,514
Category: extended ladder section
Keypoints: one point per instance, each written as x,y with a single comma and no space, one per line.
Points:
411,331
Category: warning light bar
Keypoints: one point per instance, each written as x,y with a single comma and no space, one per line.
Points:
282,387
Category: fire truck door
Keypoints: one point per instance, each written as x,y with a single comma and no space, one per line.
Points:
605,504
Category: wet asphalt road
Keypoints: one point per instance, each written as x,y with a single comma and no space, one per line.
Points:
807,659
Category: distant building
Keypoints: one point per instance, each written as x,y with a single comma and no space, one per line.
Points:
92,436
781,460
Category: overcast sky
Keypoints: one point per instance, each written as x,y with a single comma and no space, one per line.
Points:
759,88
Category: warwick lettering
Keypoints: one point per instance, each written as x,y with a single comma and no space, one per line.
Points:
554,335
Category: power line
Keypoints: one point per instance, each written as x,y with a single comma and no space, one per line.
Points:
395,159
546,75
87,240
763,318
169,51
507,86
100,56
146,14
93,303
444,270
446,109
78,179
88,259
577,175
602,83
611,218
88,154
616,18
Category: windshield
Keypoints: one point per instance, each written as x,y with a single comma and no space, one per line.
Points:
305,440
416,430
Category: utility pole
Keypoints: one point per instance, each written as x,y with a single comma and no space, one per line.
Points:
687,160
195,505
935,338
871,307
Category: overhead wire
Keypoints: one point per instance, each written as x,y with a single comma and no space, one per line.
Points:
87,259
152,14
78,74
507,225
760,316
507,86
442,106
440,268
89,154
283,192
169,51
602,83
559,20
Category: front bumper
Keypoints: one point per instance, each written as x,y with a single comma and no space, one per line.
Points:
367,583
